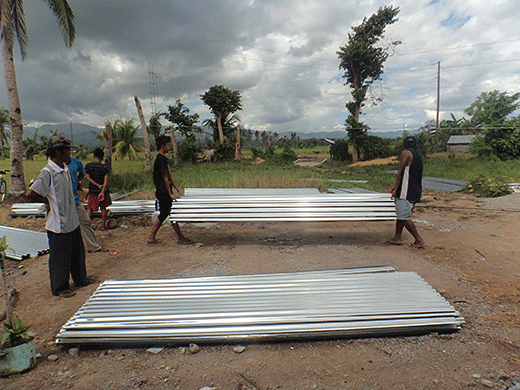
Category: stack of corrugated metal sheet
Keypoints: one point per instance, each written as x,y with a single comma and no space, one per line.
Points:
23,243
129,207
121,207
339,303
265,206
198,192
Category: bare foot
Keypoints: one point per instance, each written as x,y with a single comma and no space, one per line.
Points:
185,241
152,241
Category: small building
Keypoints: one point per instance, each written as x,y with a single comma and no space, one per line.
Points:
459,143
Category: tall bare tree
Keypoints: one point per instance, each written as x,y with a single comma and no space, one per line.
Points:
147,156
362,60
12,24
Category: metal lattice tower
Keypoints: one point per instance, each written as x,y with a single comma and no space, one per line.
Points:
152,76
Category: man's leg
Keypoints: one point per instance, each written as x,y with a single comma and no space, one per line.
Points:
104,213
180,237
87,232
78,269
59,262
410,226
397,238
157,224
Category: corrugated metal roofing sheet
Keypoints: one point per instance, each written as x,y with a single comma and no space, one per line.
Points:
338,303
446,185
460,139
284,208
23,243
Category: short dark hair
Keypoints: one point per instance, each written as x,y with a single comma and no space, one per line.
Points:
162,140
99,153
410,142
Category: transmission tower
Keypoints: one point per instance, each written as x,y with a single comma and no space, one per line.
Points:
152,76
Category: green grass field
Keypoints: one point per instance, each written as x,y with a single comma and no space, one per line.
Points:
129,175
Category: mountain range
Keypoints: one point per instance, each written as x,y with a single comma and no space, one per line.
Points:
84,135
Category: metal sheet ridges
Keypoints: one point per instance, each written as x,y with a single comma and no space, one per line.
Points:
24,243
351,302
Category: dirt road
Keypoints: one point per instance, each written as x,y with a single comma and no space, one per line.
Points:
472,259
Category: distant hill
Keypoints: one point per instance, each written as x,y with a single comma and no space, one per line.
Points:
342,134
80,134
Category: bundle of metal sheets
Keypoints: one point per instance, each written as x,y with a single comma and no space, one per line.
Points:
23,243
284,208
304,305
121,207
191,192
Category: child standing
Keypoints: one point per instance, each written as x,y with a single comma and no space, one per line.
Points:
98,193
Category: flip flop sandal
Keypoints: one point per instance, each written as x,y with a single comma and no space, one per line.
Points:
390,242
66,294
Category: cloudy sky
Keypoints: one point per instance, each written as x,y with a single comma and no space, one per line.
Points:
280,55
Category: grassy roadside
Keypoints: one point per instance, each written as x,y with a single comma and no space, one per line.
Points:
129,175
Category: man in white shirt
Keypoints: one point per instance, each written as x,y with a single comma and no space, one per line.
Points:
67,252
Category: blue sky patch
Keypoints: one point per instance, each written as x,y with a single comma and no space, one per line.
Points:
455,21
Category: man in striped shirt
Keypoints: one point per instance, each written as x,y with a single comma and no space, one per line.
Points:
407,191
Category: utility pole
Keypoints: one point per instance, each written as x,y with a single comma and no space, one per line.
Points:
152,76
438,102
147,157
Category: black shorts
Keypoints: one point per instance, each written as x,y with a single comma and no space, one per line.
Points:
165,205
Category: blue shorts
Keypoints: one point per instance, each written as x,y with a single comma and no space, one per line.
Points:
404,209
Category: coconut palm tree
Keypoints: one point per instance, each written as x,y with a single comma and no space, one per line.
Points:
4,134
12,24
125,140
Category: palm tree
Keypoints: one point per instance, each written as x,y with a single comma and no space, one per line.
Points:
4,133
229,123
31,146
126,142
12,24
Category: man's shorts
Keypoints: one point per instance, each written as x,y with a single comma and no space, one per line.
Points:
404,209
94,204
164,201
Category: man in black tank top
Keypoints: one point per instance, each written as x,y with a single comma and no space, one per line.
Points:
407,191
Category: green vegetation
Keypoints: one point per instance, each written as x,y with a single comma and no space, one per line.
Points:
15,333
129,175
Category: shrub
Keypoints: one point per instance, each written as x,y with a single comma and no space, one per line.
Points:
339,150
266,154
372,146
489,187
188,151
224,151
287,156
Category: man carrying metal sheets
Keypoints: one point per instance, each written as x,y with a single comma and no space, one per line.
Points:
407,191
163,191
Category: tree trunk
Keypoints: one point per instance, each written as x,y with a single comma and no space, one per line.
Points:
108,147
174,143
17,187
238,154
218,118
269,138
147,157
